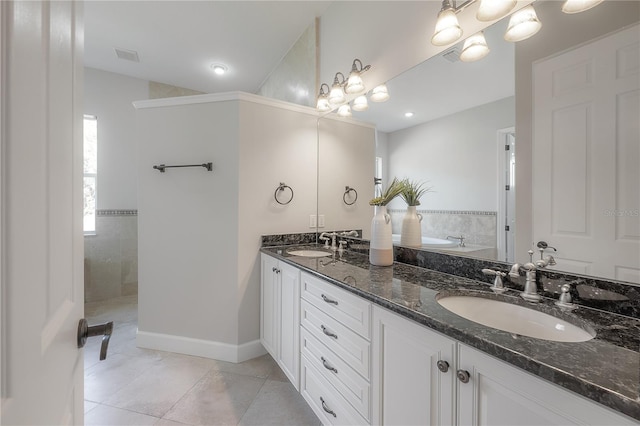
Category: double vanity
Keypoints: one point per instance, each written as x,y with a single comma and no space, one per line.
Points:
409,345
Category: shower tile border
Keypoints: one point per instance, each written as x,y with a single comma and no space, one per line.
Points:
116,212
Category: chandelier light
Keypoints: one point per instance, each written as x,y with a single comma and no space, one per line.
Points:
475,48
355,84
523,24
337,95
490,10
577,6
360,103
447,26
323,101
344,110
379,93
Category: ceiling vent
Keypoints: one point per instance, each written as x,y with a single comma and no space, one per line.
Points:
127,55
452,55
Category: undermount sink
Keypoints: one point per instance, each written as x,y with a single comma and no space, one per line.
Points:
309,253
514,318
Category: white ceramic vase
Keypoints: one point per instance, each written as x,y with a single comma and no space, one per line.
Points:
411,235
381,244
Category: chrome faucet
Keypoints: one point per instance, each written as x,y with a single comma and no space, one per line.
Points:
349,233
460,239
530,293
325,237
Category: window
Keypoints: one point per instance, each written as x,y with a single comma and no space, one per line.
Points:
90,173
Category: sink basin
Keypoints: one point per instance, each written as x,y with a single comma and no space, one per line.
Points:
309,253
514,318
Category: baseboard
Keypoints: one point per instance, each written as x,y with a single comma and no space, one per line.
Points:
198,347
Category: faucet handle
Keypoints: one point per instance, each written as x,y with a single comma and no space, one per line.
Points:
565,300
498,285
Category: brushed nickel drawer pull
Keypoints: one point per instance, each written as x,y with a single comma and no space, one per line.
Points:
328,333
327,366
326,299
325,408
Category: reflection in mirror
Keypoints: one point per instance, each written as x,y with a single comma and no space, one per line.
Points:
464,118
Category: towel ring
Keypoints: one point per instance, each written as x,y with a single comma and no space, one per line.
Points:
347,190
281,188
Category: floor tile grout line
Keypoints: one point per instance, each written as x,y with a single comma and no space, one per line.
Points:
253,401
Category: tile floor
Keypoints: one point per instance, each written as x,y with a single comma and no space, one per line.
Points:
135,386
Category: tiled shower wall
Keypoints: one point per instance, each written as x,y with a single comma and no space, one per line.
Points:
111,256
477,227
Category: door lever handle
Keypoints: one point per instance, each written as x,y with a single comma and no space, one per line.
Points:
85,331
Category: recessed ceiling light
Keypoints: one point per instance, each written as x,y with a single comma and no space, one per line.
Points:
408,114
219,69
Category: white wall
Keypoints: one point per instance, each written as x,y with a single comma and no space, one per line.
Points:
347,158
199,231
109,96
457,155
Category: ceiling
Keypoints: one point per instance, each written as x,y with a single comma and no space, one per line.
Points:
178,41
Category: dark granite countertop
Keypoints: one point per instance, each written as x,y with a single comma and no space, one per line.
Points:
605,369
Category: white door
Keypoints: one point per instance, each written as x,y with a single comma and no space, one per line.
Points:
41,212
586,157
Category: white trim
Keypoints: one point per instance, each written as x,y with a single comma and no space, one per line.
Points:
198,347
242,96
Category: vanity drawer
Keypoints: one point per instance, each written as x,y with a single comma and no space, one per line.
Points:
330,407
350,384
350,310
349,346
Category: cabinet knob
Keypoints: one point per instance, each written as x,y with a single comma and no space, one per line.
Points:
443,366
328,333
325,408
327,366
331,301
463,376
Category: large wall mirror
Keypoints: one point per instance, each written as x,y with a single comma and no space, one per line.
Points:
470,139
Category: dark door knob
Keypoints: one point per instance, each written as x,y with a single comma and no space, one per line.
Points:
85,331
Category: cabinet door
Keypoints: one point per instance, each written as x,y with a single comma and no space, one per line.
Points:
407,387
500,394
289,322
269,305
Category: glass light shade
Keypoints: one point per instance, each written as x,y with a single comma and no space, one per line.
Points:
447,28
475,47
577,6
379,93
336,96
354,83
490,10
344,111
360,103
323,104
523,24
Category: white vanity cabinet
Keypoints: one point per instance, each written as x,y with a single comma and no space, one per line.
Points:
280,315
408,388
500,394
336,351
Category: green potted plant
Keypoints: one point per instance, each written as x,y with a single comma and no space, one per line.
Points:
412,191
381,244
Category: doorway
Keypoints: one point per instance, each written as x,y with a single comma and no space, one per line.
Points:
506,226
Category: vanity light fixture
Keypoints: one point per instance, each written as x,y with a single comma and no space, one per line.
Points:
344,110
354,83
379,93
447,26
323,101
577,6
523,24
475,48
336,95
360,103
490,10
